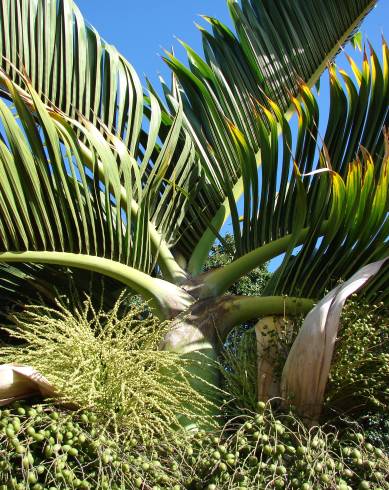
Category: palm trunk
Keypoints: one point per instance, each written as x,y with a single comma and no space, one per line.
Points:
198,334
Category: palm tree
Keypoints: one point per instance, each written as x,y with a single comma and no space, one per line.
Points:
84,185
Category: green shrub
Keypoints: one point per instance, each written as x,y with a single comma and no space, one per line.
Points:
109,363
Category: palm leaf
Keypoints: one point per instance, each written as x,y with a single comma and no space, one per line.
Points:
80,202
48,45
70,66
329,198
357,216
277,46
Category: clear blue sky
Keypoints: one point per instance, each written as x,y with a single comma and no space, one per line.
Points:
140,29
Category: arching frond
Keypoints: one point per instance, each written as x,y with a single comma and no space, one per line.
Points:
277,46
47,45
324,203
80,203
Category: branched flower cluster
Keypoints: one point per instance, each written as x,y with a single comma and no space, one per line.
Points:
110,363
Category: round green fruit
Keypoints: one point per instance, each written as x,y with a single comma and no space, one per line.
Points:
364,485
306,486
261,406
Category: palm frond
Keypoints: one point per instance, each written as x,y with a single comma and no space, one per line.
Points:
70,66
355,147
288,42
323,203
47,45
80,203
277,46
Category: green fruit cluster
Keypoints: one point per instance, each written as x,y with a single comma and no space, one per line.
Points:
48,448
267,452
360,370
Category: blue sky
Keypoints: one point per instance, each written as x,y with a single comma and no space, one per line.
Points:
140,30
